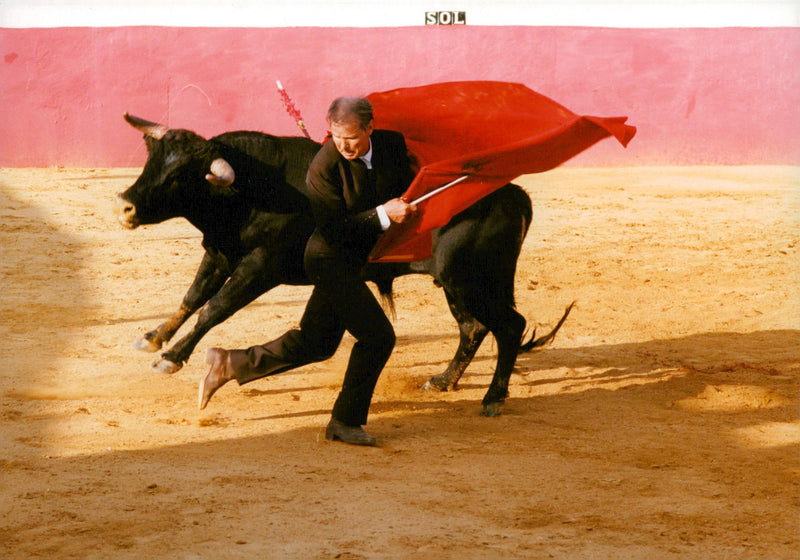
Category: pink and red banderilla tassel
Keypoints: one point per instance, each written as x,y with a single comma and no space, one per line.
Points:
291,109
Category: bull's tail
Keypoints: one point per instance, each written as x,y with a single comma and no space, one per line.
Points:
386,294
546,339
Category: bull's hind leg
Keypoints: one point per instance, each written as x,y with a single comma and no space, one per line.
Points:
507,326
474,260
208,280
508,330
472,334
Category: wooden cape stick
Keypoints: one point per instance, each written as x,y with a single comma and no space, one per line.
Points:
434,192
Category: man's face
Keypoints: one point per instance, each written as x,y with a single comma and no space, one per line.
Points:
351,140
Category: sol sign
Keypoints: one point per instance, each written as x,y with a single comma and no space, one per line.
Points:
445,18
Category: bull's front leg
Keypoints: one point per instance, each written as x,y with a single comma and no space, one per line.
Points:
208,280
248,281
154,340
472,332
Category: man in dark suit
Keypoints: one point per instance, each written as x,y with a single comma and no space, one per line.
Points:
354,184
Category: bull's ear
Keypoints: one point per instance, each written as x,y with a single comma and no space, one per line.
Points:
222,177
151,129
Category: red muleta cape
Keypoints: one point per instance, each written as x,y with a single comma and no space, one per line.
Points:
492,132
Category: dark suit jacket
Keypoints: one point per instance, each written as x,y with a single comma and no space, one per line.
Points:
344,194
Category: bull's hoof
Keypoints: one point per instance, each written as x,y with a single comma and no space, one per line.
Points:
147,345
492,409
163,365
436,384
427,386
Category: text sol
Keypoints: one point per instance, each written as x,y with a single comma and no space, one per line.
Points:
445,18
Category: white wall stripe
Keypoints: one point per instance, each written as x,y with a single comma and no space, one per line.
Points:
363,13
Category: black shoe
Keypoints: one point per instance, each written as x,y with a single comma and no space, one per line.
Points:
354,435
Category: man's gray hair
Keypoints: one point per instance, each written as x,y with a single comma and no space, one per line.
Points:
344,109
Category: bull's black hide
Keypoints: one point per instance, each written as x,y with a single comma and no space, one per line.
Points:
245,191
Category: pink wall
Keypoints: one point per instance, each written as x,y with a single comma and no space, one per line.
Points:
698,96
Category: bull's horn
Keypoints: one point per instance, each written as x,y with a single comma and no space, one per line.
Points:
222,174
154,130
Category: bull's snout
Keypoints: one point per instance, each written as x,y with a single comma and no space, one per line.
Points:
125,211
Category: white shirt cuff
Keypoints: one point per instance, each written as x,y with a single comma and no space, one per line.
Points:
383,217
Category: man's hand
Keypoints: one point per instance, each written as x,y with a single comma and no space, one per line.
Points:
399,210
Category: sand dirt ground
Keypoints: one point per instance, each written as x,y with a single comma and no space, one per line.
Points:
661,424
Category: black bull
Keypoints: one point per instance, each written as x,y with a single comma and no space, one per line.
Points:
245,192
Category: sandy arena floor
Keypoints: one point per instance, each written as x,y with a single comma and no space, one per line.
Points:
661,424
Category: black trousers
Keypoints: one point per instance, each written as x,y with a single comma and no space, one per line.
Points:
340,302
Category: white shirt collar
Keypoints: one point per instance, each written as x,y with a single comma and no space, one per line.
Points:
367,158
